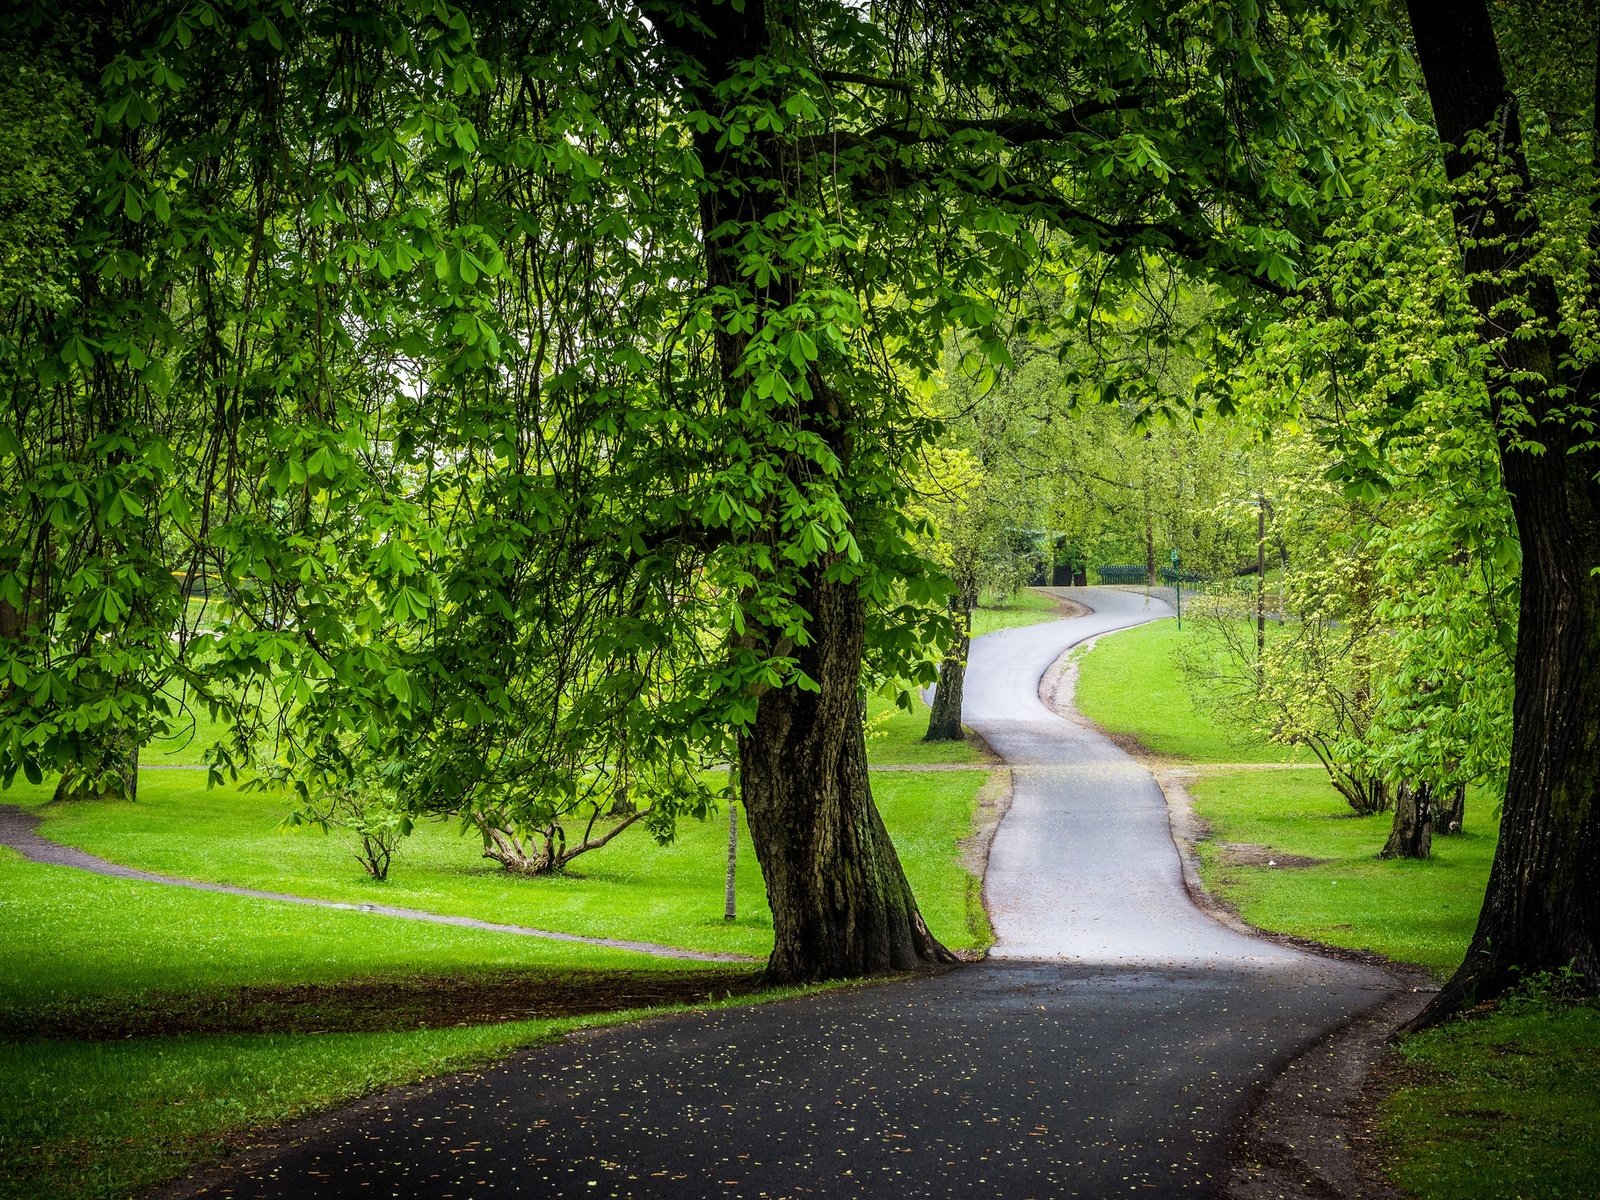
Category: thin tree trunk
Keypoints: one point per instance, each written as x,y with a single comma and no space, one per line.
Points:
730,891
840,902
1261,589
1149,540
944,721
1542,908
1452,811
1411,835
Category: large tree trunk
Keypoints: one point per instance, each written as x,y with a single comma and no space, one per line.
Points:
944,722
1411,835
1542,909
840,902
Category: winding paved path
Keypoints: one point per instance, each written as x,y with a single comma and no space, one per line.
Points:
1106,1048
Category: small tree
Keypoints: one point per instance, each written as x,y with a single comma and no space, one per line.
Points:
364,807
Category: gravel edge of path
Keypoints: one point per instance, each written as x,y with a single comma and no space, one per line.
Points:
19,831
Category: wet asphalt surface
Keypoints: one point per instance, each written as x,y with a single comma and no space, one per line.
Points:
1107,1048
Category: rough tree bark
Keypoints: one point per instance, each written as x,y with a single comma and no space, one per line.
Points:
1411,834
944,721
840,902
841,905
1542,908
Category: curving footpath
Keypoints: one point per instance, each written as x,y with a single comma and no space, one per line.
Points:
1107,1047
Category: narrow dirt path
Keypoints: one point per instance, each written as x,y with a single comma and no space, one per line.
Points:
1109,1047
19,830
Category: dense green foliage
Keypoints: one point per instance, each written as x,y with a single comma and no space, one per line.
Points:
511,412
535,386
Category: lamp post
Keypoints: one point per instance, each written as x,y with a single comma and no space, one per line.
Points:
1177,589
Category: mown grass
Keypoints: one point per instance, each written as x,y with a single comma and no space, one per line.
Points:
1504,1104
1025,606
107,1118
894,738
1499,1105
69,937
631,889
1416,911
1131,683
104,1119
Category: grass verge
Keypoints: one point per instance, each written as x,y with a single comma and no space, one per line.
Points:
1505,1104
82,953
90,953
1328,884
894,739
1025,606
632,889
1325,882
1130,683
303,1008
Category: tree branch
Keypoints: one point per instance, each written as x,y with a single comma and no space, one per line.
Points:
1015,129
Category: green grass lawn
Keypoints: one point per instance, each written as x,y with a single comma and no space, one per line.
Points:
1419,912
1025,606
179,1100
191,732
1502,1104
632,888
1506,1105
1130,683
72,938
894,738
1411,911
107,1119
104,1118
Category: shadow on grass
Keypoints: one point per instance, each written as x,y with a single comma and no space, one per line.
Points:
379,1005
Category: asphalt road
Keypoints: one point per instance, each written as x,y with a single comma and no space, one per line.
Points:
1107,1048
